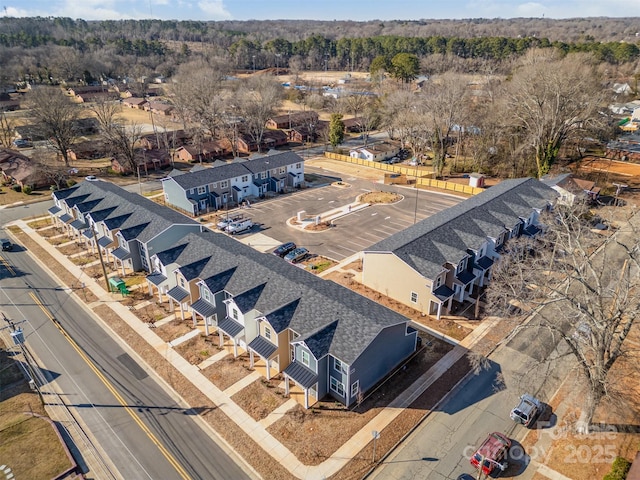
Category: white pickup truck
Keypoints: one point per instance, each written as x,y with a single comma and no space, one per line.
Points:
239,226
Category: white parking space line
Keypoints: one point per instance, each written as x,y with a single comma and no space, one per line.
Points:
401,224
386,229
359,245
376,238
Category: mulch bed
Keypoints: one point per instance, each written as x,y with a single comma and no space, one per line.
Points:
260,398
227,371
196,349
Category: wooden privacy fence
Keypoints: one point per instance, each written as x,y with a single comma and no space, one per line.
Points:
423,177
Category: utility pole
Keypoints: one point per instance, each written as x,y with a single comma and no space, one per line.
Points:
104,269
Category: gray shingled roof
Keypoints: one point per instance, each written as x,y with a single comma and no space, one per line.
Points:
235,169
289,296
145,220
446,236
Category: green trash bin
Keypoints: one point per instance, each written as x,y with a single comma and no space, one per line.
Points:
116,284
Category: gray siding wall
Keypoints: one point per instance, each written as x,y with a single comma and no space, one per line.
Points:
134,250
176,196
169,237
389,348
323,378
221,307
312,361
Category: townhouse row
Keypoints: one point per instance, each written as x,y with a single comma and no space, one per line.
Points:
441,259
214,188
323,339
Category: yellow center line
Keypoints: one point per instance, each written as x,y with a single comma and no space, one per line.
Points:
113,391
7,266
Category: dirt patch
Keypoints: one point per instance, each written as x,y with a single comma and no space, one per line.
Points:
355,266
379,197
446,326
173,329
196,349
228,370
320,227
260,398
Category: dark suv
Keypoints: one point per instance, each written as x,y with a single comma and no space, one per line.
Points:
285,248
6,245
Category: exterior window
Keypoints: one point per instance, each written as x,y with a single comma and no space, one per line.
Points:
192,191
283,170
181,281
438,281
256,176
234,312
305,358
267,333
355,388
202,190
414,297
224,184
339,366
298,165
245,178
337,387
213,185
263,175
206,295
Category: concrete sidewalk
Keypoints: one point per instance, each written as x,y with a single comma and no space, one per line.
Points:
256,430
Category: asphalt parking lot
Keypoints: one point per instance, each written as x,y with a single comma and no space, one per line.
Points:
351,233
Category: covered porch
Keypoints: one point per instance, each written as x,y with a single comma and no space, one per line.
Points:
178,295
443,295
207,311
235,331
266,352
122,260
304,379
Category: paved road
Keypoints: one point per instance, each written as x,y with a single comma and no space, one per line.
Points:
441,447
354,232
125,410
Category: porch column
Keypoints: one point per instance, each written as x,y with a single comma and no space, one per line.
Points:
449,303
286,385
268,369
182,311
123,271
439,311
206,326
160,294
306,398
194,317
250,358
149,288
221,338
235,348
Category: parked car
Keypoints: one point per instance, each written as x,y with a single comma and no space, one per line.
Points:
527,410
492,453
22,143
285,248
296,255
6,245
394,160
239,226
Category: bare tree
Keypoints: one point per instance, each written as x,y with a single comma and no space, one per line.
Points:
7,126
48,168
586,296
198,94
258,98
443,105
122,141
56,118
552,99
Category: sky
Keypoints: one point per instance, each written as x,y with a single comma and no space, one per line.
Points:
358,10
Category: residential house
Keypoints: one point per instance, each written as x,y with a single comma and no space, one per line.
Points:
128,227
135,102
270,139
86,90
167,139
353,125
88,150
376,152
293,119
147,160
200,153
304,134
226,183
572,189
19,169
103,96
323,338
442,258
9,102
159,108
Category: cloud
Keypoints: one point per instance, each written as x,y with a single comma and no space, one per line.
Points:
215,9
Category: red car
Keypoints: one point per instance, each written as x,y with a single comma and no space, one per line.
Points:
491,453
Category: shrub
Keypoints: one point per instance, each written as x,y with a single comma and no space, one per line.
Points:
619,469
16,188
27,190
